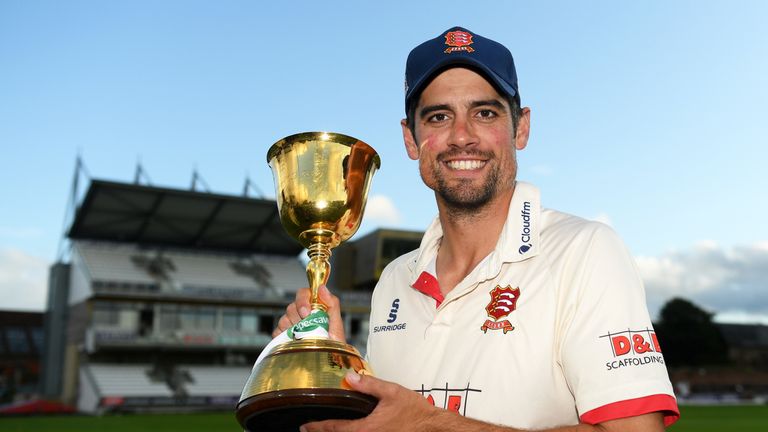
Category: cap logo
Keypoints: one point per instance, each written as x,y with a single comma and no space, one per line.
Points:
458,41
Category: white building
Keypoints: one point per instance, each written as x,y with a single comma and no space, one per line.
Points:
168,298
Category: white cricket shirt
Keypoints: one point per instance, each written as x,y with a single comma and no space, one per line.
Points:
550,329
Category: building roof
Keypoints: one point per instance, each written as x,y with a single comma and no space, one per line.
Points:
155,216
745,335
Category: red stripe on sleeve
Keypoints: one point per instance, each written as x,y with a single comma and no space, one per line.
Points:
633,407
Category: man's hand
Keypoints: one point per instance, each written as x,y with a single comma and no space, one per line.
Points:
403,410
399,409
300,308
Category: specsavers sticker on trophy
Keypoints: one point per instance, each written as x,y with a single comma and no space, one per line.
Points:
313,325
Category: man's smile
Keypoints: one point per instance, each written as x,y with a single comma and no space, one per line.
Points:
465,164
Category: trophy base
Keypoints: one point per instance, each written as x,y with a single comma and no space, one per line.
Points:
301,381
287,410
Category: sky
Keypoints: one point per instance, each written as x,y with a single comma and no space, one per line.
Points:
648,116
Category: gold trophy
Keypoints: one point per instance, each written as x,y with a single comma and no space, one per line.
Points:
322,181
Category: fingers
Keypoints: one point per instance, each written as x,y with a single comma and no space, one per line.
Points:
300,308
371,385
335,324
327,298
294,312
302,301
329,426
398,409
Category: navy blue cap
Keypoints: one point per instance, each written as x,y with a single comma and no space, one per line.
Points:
458,46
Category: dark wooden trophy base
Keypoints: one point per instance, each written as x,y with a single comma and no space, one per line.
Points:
287,410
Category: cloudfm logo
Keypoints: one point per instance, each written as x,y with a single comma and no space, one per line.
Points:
525,234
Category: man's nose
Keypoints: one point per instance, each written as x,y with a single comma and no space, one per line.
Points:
463,133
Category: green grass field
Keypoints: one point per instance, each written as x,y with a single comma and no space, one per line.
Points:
694,419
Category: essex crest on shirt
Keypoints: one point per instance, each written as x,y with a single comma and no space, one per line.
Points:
503,302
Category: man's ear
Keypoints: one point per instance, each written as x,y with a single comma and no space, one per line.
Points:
523,129
410,142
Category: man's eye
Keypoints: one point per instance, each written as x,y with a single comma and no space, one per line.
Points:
437,117
486,113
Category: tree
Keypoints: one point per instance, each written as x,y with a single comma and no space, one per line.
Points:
688,337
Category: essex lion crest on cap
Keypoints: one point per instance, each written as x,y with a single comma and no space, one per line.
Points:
458,41
503,302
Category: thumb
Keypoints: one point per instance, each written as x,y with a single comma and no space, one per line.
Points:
335,324
369,384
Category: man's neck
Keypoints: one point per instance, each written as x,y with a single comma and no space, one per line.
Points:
468,238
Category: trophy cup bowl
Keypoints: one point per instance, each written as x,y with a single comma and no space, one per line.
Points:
322,181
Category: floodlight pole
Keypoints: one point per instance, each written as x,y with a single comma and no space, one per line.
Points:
71,208
251,185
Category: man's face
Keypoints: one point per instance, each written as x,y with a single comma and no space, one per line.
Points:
464,140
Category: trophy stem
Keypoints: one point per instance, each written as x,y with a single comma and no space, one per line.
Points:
318,270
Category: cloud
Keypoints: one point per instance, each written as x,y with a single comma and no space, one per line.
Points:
23,280
381,209
730,282
741,317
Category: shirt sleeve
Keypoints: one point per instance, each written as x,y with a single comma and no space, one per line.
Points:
609,352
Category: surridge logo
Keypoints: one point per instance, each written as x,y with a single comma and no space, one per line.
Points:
525,235
393,311
392,318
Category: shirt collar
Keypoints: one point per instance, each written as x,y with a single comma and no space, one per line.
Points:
519,239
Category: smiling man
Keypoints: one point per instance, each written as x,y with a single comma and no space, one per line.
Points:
508,316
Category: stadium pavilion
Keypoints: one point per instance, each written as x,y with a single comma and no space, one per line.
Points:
169,295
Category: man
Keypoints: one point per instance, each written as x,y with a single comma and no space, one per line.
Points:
508,314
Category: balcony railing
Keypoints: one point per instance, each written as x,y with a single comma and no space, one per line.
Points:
105,337
188,291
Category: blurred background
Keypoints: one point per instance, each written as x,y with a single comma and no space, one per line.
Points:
141,264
